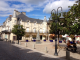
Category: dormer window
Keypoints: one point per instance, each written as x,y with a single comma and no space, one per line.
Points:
35,23
28,22
40,24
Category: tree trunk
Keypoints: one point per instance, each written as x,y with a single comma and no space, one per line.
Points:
18,41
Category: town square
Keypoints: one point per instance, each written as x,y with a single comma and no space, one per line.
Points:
40,30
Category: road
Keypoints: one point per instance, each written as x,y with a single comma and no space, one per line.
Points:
9,51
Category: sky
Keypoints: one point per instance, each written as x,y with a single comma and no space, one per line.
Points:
34,8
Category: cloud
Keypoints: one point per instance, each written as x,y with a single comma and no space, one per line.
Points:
23,7
8,6
55,4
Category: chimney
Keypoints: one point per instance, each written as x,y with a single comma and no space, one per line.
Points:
10,15
23,13
14,14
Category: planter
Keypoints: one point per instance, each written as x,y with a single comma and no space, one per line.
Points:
51,40
71,42
60,41
44,40
26,40
34,40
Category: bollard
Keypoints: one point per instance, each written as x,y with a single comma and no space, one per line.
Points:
67,55
26,44
34,46
15,42
19,43
46,49
11,41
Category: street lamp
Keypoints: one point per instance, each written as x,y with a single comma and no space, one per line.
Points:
61,17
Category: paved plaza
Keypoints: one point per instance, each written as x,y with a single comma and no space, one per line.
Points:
51,49
10,51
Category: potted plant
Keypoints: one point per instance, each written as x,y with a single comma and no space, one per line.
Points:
44,39
34,38
72,37
51,40
27,35
26,40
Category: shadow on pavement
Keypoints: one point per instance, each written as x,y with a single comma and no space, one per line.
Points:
17,52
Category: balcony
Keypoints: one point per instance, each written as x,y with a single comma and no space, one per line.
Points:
35,32
6,31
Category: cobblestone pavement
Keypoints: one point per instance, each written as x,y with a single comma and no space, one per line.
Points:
10,51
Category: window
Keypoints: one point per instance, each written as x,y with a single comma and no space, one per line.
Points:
40,30
34,30
20,22
35,23
40,24
15,21
28,23
43,30
27,29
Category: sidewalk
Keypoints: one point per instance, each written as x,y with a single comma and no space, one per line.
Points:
51,49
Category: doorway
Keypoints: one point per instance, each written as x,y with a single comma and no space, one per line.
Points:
14,38
40,37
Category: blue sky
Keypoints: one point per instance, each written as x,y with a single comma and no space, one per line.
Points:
34,8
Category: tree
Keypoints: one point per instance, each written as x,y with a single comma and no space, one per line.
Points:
66,26
19,31
59,27
74,29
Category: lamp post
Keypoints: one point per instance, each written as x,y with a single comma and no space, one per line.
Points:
56,21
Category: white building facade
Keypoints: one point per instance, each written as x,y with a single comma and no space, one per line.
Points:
30,25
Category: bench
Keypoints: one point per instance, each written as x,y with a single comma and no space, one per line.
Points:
71,48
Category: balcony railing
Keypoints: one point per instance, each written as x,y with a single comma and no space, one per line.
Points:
36,32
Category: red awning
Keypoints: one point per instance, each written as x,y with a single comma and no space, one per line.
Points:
75,36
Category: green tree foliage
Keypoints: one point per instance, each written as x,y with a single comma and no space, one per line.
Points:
20,31
66,26
74,29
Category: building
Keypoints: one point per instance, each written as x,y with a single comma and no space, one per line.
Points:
30,25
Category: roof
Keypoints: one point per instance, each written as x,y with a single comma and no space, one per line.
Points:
9,18
25,18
